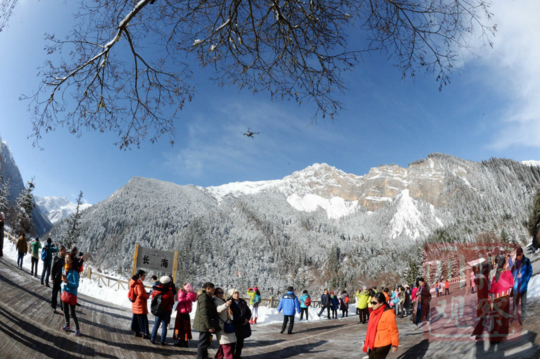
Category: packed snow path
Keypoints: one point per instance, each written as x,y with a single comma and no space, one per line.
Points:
28,329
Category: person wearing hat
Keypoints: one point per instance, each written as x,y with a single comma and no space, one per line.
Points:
163,288
241,319
254,301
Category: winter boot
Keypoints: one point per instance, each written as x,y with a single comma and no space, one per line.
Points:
255,321
251,321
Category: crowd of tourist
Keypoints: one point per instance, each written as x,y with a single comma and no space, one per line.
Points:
500,285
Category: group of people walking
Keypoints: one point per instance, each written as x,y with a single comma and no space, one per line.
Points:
63,270
226,315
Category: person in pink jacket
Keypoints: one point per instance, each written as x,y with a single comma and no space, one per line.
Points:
501,287
182,325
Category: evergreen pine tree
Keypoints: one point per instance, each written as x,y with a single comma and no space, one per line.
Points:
505,238
24,207
4,194
73,228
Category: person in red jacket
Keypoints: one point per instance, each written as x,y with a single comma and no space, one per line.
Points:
163,317
501,287
382,333
139,323
182,325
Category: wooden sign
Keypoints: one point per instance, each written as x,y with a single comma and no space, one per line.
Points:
153,259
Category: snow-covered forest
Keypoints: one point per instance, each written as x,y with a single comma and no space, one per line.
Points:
252,233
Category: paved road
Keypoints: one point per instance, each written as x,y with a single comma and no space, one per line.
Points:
28,329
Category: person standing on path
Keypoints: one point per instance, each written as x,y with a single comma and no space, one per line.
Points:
241,318
35,246
382,334
362,305
289,304
407,304
446,287
70,279
501,287
56,278
325,303
206,319
401,302
522,272
47,262
22,248
163,314
303,305
423,299
335,304
139,308
226,336
254,302
1,234
344,304
182,324
483,306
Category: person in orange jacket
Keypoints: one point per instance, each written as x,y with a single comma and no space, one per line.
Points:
139,322
382,333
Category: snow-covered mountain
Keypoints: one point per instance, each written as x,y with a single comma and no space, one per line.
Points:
531,163
58,208
319,226
9,169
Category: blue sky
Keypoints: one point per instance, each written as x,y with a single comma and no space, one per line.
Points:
491,109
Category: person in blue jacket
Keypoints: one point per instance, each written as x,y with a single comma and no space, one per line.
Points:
334,304
522,272
47,263
303,306
290,304
70,279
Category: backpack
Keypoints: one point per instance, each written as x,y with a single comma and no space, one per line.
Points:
307,302
131,295
44,253
156,307
346,300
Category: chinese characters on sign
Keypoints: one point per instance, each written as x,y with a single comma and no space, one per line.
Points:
153,259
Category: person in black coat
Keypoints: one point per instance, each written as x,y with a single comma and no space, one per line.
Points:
326,303
241,317
56,277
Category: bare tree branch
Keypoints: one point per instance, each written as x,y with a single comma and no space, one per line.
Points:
291,49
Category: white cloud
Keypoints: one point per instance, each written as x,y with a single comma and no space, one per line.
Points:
222,146
514,65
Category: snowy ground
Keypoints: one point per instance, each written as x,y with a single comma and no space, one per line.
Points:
91,288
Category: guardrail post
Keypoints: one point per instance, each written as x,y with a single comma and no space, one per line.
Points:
89,273
271,302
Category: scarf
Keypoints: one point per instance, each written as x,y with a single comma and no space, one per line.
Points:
67,267
374,318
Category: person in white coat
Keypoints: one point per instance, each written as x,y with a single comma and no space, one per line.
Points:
226,336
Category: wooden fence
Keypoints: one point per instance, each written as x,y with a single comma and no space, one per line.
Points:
106,281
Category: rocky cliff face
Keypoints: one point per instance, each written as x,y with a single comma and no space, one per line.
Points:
317,227
9,169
